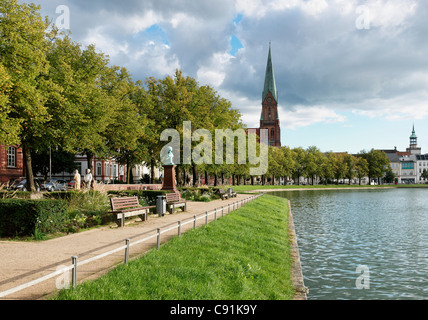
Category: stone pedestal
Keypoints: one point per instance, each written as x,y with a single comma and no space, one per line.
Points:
169,183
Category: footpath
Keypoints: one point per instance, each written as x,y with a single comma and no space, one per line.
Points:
22,262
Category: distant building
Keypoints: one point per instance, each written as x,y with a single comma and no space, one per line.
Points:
408,166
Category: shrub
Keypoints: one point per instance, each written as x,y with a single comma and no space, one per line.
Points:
5,194
20,217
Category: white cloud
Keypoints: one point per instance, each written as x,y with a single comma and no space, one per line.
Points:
303,116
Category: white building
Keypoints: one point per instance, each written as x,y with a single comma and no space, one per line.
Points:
421,166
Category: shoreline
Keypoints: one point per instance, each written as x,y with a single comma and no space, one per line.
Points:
296,270
312,189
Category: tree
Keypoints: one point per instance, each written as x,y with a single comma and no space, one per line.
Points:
389,175
23,48
313,161
378,163
425,174
125,134
327,170
299,155
83,109
350,162
361,168
9,129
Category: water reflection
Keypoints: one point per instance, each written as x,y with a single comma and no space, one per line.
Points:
385,230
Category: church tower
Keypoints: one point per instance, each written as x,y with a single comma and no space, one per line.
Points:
414,149
269,118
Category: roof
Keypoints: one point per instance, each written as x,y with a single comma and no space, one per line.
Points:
413,136
270,84
423,157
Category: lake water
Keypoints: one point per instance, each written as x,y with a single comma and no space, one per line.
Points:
362,244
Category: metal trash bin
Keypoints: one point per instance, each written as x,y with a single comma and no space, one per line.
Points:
161,205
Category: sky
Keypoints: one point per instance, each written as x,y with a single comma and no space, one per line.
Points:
351,75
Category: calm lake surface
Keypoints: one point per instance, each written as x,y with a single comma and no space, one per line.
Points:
362,244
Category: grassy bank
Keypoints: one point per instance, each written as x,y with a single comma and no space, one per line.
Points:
243,256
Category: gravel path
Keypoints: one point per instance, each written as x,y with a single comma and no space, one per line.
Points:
22,262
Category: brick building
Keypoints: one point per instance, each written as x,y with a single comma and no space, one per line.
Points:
11,163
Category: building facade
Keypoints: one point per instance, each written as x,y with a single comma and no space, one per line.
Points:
11,163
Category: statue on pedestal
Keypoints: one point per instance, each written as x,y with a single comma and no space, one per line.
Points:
169,182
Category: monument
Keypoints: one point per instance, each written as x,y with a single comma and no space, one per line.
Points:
169,182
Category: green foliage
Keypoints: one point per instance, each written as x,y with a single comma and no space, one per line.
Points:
19,217
85,209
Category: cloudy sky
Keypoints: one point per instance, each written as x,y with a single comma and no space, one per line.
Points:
351,74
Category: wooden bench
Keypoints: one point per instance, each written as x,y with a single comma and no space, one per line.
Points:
125,207
231,193
173,200
223,194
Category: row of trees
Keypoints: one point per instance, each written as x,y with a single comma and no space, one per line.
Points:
56,95
318,167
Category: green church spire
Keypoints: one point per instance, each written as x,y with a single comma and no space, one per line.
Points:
270,84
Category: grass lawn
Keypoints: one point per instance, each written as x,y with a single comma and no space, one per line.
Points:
243,256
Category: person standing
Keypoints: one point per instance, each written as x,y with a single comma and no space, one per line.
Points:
88,179
77,180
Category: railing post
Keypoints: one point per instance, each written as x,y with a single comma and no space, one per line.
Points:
127,251
222,211
194,222
158,241
206,217
74,272
179,228
215,214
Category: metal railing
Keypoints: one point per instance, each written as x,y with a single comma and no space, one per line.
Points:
224,210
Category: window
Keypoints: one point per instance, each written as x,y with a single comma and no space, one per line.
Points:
107,170
114,171
408,165
11,157
99,173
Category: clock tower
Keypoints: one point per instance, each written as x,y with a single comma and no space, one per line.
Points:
269,118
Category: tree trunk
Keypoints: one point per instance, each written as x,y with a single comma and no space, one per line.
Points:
28,169
195,176
90,157
152,171
128,173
